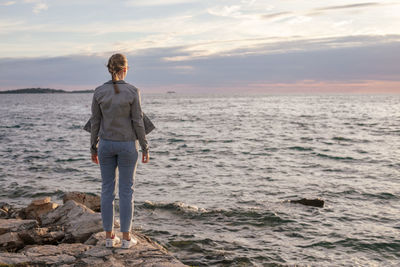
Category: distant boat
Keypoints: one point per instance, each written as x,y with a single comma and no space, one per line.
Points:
171,92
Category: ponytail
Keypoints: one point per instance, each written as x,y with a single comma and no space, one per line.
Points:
116,89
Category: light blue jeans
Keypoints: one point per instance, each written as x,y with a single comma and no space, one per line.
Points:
124,155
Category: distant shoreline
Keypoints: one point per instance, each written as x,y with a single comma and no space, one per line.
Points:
43,91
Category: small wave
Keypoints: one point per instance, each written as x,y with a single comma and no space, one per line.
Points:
357,245
300,148
75,126
70,159
340,138
344,139
65,170
16,191
255,154
186,243
175,140
58,193
177,206
10,127
234,217
367,124
361,151
165,152
332,170
254,217
60,139
324,244
30,158
332,157
382,195
39,168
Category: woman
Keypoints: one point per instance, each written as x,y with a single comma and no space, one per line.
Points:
116,124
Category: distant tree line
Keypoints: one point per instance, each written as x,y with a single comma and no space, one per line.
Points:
42,91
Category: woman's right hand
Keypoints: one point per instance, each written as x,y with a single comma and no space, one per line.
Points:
95,158
145,157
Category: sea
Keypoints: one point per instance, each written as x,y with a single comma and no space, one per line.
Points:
223,169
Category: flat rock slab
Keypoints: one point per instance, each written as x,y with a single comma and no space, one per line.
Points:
13,258
51,250
100,251
145,253
16,225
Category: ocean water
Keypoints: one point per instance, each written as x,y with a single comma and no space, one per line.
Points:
223,168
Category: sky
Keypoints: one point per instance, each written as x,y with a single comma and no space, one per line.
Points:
195,46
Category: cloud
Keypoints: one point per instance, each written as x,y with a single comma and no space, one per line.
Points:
341,61
39,7
8,3
321,10
225,11
359,5
276,15
158,2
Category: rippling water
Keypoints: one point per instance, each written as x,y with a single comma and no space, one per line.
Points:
222,169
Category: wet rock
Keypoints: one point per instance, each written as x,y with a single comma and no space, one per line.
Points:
15,225
73,249
53,260
89,200
41,201
11,242
93,261
36,210
13,258
5,206
98,251
7,211
3,213
42,236
96,239
310,202
78,221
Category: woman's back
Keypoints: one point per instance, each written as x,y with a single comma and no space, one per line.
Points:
116,111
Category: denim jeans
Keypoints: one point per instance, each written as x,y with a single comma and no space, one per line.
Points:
124,155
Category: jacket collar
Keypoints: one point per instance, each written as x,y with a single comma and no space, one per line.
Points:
117,82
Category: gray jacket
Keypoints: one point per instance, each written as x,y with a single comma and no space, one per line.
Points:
117,117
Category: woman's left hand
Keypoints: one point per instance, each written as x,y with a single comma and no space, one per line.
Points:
145,157
95,159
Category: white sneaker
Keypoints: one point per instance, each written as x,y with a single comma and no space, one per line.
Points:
128,243
111,242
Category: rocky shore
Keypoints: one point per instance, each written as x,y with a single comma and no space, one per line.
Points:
48,234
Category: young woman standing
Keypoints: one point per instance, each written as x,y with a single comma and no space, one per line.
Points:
116,125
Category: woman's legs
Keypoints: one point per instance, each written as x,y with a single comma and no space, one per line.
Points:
127,162
108,164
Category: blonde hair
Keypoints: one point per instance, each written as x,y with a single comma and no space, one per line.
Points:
116,63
